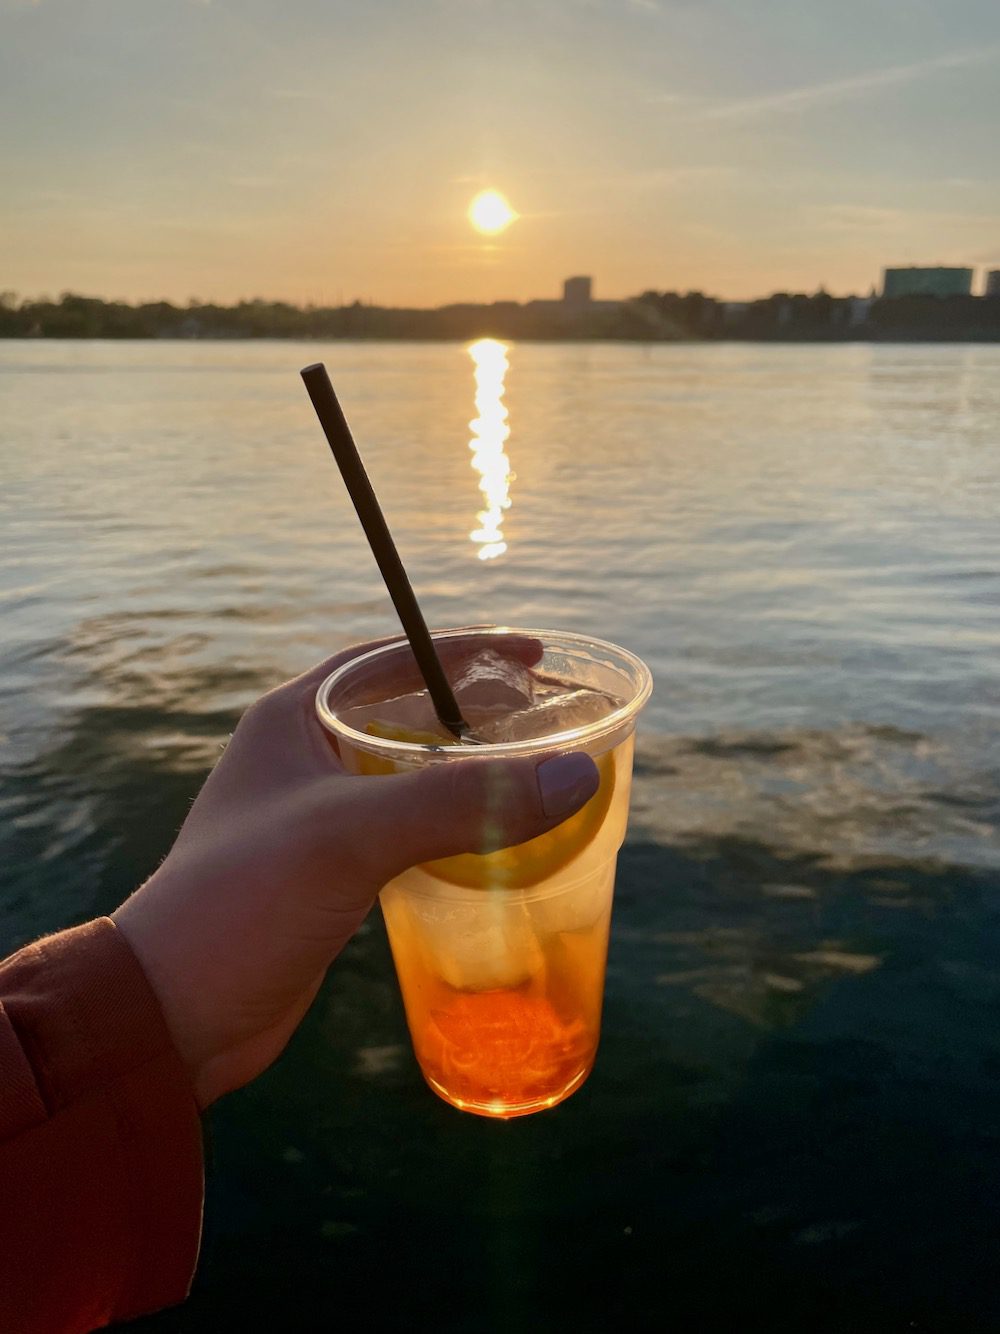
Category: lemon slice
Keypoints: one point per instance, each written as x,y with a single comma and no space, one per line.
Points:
375,764
524,864
527,864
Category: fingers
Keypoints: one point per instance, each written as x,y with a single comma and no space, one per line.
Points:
400,670
454,656
310,680
462,806
285,720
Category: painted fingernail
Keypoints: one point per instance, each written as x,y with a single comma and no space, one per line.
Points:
565,782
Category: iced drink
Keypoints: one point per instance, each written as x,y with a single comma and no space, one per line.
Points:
501,955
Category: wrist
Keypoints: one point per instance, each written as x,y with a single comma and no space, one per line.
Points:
149,943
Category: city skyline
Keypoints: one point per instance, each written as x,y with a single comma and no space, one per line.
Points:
323,152
893,281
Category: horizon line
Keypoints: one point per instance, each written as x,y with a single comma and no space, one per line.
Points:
193,303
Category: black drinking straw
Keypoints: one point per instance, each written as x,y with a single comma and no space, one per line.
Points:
345,451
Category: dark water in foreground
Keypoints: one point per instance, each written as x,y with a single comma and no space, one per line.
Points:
794,1124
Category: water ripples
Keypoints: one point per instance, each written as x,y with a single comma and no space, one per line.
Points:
802,544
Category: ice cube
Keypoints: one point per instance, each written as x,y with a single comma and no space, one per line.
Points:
493,946
490,684
581,907
558,713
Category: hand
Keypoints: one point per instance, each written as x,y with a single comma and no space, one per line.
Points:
282,856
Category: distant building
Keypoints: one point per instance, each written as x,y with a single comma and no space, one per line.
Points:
992,283
917,281
576,293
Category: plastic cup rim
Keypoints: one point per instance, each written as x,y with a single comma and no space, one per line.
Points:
611,723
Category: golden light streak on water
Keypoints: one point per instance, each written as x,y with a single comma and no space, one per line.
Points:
489,434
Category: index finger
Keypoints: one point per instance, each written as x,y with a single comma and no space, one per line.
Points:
454,656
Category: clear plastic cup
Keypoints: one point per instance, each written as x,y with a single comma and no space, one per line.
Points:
501,957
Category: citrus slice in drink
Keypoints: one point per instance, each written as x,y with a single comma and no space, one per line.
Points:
523,864
527,864
376,764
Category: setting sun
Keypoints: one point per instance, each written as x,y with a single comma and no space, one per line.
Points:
489,212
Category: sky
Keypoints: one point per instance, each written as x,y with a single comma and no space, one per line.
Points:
326,151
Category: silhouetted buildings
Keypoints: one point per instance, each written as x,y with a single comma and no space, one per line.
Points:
576,293
925,311
934,281
575,315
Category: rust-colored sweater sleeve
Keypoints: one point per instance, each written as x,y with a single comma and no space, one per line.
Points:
101,1179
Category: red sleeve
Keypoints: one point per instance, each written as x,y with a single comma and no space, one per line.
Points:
101,1179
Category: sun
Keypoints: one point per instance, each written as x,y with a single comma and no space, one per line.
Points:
489,212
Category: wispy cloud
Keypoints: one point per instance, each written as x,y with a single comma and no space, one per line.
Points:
253,182
296,95
856,217
675,178
957,229
636,178
790,100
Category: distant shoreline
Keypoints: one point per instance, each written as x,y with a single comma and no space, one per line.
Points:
929,339
653,317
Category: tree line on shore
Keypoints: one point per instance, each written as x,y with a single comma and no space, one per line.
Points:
653,316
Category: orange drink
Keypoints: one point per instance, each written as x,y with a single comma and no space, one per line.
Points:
501,955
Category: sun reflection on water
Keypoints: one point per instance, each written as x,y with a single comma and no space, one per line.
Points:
489,433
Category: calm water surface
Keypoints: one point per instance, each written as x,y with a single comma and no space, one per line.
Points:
795,1119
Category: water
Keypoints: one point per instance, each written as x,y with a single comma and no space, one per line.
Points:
795,1112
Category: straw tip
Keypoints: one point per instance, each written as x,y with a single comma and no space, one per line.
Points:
316,367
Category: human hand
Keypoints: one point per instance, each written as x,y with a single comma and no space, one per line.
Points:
281,857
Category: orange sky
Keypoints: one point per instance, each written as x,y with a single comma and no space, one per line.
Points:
318,151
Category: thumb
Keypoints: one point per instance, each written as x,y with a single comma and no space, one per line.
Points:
468,806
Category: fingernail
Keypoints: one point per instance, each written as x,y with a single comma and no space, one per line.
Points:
565,782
